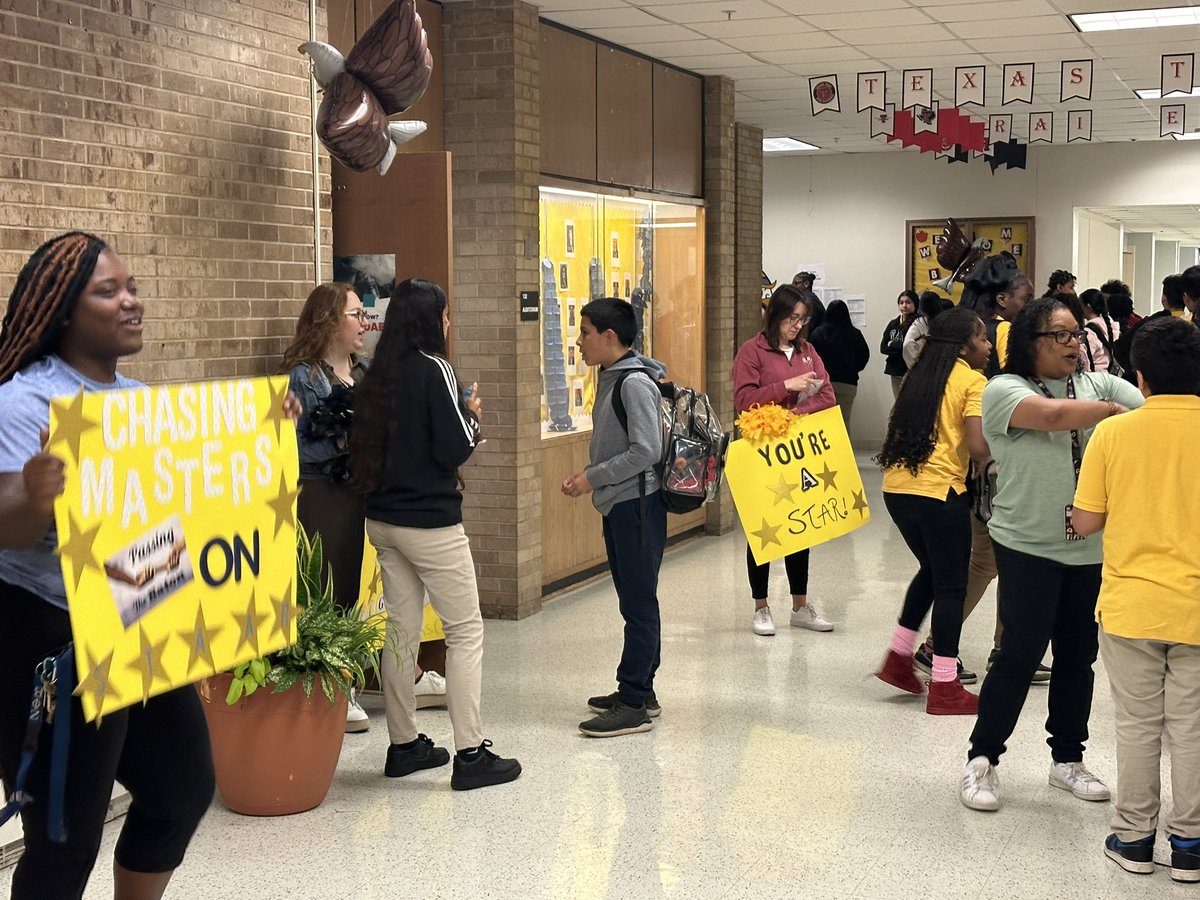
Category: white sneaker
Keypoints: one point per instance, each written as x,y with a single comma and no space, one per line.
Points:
763,623
356,717
979,785
807,617
430,690
1076,778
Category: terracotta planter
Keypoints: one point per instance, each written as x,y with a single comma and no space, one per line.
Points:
275,754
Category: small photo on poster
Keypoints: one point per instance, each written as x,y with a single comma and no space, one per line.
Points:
562,276
570,354
579,398
371,275
570,239
628,285
616,291
570,313
146,572
615,240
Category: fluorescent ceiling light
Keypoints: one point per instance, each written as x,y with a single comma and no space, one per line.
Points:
1156,94
782,145
1120,20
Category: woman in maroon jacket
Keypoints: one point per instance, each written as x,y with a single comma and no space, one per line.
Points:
778,365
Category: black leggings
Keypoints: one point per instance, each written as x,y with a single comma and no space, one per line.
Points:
159,752
938,532
336,513
796,565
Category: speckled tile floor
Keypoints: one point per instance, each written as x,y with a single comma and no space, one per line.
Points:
778,769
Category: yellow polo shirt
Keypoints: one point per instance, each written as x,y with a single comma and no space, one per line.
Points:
1002,331
946,468
1139,469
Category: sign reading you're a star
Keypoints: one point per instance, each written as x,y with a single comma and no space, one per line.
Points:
797,490
176,533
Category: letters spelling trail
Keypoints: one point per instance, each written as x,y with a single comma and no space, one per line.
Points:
163,483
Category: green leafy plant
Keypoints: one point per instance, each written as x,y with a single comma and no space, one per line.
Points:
336,646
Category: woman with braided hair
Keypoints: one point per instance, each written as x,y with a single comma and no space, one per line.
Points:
934,430
73,313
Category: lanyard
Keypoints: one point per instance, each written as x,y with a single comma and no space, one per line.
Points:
1076,447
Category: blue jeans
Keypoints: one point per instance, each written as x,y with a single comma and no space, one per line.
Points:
634,557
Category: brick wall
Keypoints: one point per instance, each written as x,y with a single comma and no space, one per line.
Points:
492,128
180,132
749,232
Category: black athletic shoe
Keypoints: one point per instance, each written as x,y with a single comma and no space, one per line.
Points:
605,703
481,767
923,662
422,754
620,719
1185,860
1041,675
1136,857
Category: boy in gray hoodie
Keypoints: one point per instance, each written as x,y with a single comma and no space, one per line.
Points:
625,489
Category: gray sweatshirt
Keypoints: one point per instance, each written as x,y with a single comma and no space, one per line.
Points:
617,458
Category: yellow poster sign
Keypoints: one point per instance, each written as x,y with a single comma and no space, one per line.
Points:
797,490
370,598
176,533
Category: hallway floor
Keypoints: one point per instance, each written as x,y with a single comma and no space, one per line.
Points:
777,769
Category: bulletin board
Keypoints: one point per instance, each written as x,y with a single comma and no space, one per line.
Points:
1014,234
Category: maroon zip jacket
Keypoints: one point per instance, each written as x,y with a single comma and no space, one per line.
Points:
759,372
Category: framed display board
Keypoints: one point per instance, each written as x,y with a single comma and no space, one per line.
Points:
1011,233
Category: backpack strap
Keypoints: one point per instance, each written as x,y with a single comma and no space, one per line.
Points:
1104,342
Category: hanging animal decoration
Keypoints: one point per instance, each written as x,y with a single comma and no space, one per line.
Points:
386,73
957,254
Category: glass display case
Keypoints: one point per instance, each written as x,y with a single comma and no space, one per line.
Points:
649,253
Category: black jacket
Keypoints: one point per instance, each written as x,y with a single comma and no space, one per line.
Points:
435,434
892,346
843,350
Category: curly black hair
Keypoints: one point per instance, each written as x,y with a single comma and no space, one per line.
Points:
1167,353
912,428
1033,318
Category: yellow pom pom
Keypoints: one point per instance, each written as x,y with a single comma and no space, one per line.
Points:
764,423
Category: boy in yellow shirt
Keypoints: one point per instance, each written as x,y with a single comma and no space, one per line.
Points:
1135,483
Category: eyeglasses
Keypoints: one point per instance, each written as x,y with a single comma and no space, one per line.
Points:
796,320
360,314
1063,337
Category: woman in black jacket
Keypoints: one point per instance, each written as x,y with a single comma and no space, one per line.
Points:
892,345
845,353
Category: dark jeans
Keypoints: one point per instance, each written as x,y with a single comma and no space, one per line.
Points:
634,557
1041,602
335,512
159,751
938,532
796,565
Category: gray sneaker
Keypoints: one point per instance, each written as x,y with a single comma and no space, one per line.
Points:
605,702
619,720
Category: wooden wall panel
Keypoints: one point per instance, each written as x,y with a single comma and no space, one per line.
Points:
678,132
568,92
624,119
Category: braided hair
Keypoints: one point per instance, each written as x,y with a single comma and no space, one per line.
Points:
912,428
44,297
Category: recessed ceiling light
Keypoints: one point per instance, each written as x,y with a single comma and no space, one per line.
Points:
784,144
1119,20
1156,94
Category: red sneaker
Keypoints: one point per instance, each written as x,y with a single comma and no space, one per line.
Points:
897,670
950,698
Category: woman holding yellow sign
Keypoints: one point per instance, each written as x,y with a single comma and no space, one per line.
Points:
73,313
779,366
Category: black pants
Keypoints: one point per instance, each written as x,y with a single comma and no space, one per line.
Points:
796,565
634,557
938,532
160,752
335,512
1041,602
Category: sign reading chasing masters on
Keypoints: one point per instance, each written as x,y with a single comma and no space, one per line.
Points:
176,532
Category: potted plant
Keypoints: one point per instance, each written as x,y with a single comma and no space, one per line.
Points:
275,751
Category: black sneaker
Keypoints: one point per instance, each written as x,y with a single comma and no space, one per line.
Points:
480,767
605,703
620,719
1136,857
923,662
422,754
1041,675
1185,860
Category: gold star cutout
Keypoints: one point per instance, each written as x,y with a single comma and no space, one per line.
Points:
860,503
78,548
71,423
284,506
199,639
249,626
829,477
768,534
375,588
149,662
285,616
95,686
783,490
275,414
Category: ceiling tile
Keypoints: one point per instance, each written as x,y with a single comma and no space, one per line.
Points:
587,19
1043,25
904,33
881,18
763,42
715,10
1010,9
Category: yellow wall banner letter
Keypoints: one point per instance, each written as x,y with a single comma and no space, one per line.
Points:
176,533
797,490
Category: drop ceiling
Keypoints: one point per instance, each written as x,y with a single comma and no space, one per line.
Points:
771,47
1169,223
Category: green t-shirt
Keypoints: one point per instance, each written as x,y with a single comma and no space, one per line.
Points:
1035,476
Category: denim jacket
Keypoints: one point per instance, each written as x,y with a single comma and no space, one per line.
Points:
310,382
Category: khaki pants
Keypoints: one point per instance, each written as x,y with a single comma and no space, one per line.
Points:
982,570
437,560
1156,692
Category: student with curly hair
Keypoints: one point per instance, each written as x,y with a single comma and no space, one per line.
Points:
1061,282
933,432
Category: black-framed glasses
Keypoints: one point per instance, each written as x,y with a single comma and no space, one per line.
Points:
796,320
1062,337
360,314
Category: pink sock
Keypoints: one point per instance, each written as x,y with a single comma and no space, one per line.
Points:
904,640
945,668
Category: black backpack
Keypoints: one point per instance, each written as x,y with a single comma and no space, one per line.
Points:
1114,367
693,460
